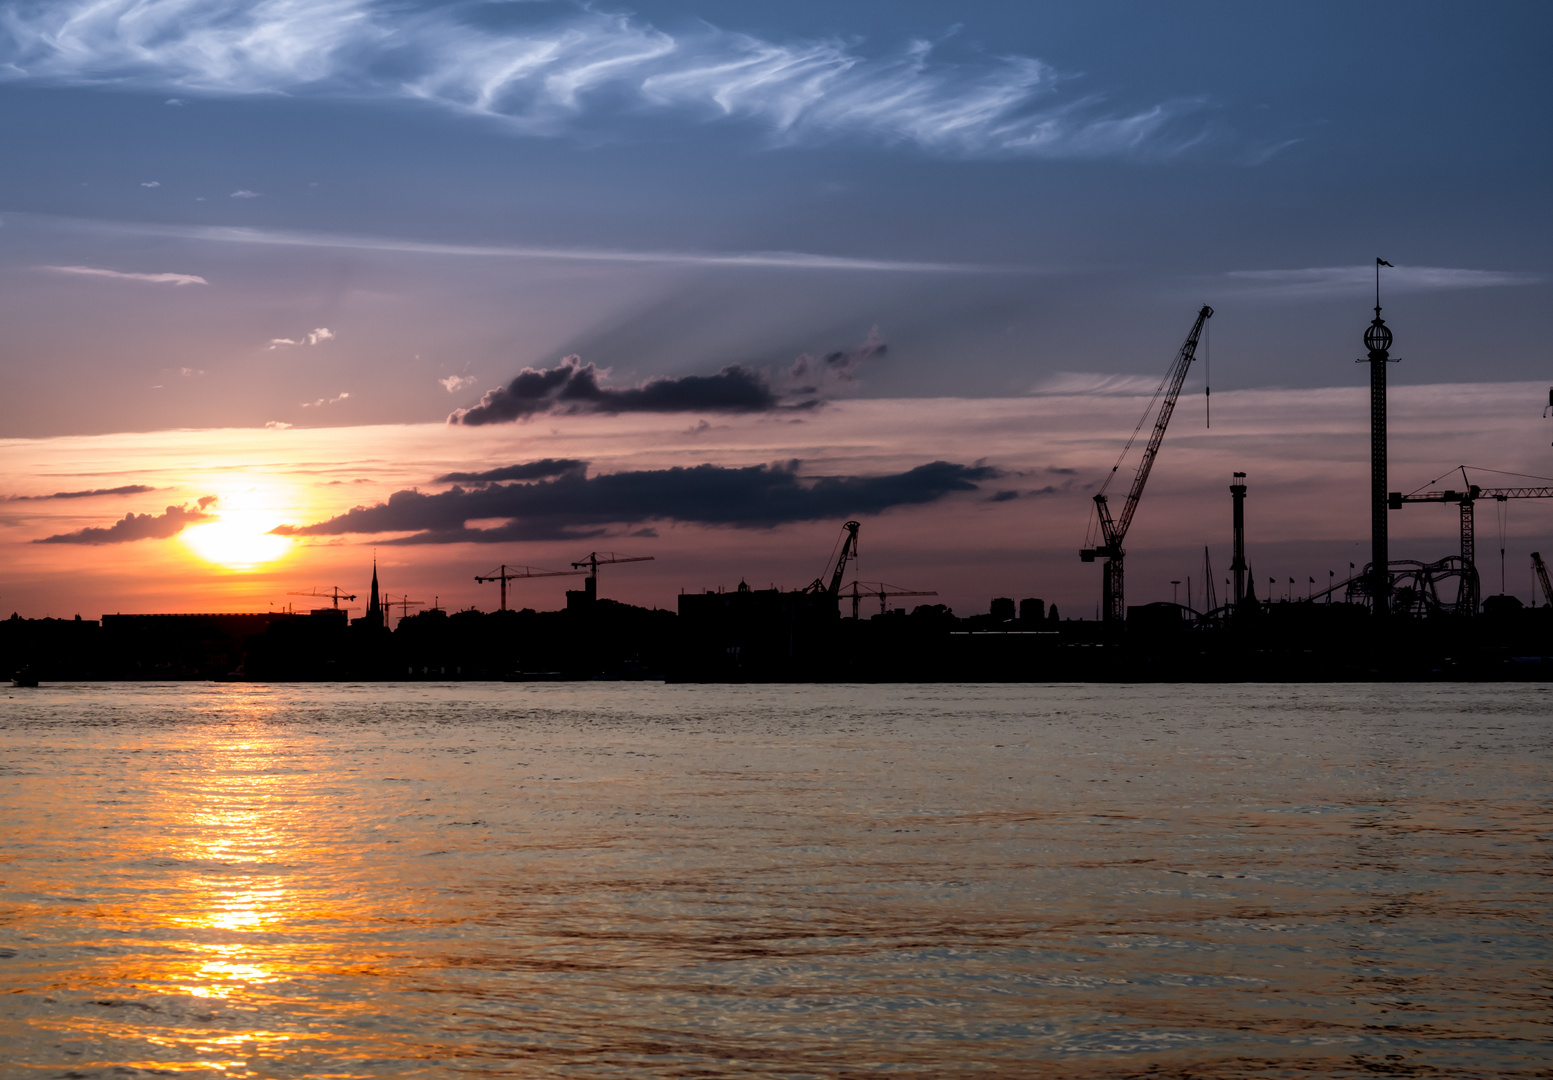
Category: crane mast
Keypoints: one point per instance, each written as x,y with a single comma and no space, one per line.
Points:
1114,531
1542,577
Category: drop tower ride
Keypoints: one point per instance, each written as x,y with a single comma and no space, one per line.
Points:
1377,339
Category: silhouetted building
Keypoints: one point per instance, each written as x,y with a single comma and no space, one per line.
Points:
757,634
183,646
373,619
584,598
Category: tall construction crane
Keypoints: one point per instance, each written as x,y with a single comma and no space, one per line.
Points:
1114,531
505,573
1467,600
883,591
1542,577
334,594
848,551
595,559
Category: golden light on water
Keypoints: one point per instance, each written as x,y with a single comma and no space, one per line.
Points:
230,823
240,539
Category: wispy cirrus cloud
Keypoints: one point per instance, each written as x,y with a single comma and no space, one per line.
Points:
544,75
324,402
119,275
754,260
312,337
1320,281
1095,384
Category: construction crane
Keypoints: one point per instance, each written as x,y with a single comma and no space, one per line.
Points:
1542,577
334,594
404,604
1113,532
505,573
848,551
595,559
883,591
1467,599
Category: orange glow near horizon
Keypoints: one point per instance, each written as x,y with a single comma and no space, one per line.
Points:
1301,446
240,539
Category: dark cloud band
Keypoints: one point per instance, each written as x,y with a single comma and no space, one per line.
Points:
138,526
573,387
528,470
574,505
127,489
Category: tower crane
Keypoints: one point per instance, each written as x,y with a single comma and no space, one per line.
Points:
883,591
595,559
1542,577
848,551
334,594
1467,601
1114,531
404,604
505,573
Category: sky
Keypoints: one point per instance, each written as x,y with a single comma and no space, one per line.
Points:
465,284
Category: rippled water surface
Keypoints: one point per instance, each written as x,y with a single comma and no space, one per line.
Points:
639,880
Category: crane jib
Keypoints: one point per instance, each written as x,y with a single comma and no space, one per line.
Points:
1177,378
1114,531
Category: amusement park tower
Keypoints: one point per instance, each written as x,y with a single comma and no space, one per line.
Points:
1377,339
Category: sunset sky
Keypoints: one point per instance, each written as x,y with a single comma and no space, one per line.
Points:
523,280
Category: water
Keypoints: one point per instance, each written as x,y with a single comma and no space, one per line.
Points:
628,880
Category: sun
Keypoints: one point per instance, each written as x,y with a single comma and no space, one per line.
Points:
240,539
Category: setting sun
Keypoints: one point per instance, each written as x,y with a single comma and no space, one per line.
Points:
240,538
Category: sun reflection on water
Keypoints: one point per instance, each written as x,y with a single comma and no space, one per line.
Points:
234,838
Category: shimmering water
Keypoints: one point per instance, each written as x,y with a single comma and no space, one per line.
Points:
645,881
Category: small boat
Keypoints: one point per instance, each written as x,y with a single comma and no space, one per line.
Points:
25,677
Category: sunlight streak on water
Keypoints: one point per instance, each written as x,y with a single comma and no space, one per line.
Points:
639,880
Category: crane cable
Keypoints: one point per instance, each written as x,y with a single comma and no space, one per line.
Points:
1147,412
1476,468
1094,520
831,561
